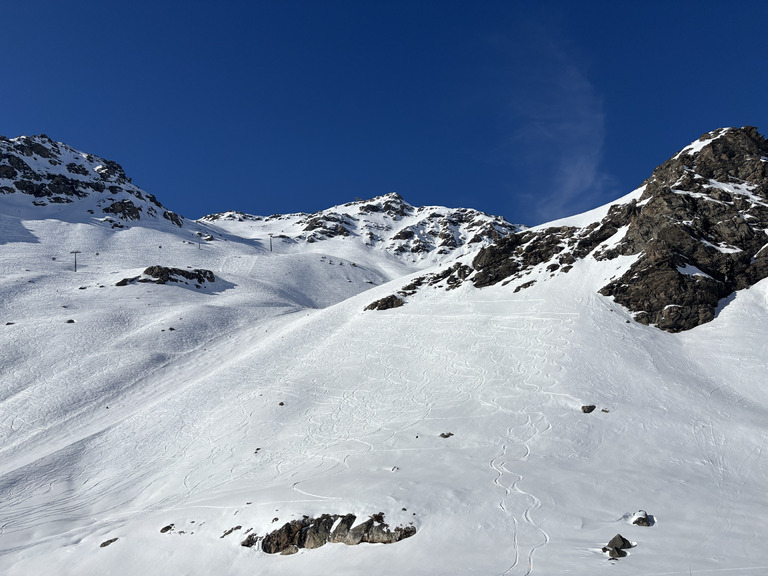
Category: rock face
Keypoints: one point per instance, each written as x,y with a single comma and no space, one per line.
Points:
697,233
701,227
315,532
53,173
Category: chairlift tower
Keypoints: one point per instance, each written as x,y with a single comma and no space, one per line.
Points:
75,252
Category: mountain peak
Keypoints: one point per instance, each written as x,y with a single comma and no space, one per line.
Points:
41,172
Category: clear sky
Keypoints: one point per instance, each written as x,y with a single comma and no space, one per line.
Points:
530,110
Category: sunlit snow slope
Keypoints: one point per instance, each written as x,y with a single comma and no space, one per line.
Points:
270,394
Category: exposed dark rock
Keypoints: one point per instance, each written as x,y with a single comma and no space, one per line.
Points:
107,542
446,434
26,162
319,531
167,528
616,546
251,541
341,531
126,281
315,532
285,536
588,409
385,303
642,518
698,232
124,209
228,532
163,274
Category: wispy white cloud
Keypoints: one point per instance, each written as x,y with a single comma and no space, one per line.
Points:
558,129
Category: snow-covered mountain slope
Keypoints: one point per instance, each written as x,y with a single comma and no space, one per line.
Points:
173,422
417,237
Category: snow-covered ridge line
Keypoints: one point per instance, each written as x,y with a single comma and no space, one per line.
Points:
422,235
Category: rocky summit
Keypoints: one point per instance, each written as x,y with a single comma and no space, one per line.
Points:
695,230
48,173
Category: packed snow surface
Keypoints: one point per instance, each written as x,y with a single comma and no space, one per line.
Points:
270,394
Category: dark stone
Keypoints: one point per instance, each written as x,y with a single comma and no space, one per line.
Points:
172,216
614,552
251,541
107,542
163,274
588,409
165,529
319,532
125,209
386,303
446,434
642,519
619,542
341,531
228,532
289,534
126,281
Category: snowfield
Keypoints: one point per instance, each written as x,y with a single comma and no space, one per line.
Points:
270,394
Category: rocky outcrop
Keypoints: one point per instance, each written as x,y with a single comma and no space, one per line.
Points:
700,227
316,532
162,275
385,303
697,232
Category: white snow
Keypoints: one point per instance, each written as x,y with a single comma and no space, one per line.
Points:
114,426
692,270
696,146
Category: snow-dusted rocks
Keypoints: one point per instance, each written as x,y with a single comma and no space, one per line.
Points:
420,236
696,232
48,173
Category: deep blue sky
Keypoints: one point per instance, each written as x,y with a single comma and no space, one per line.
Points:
529,110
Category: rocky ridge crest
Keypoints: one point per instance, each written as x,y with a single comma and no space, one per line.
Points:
53,173
386,222
697,230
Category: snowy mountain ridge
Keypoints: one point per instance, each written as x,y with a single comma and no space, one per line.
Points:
422,236
508,418
42,173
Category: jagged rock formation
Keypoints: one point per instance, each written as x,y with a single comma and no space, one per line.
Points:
53,173
697,233
315,532
386,222
701,228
